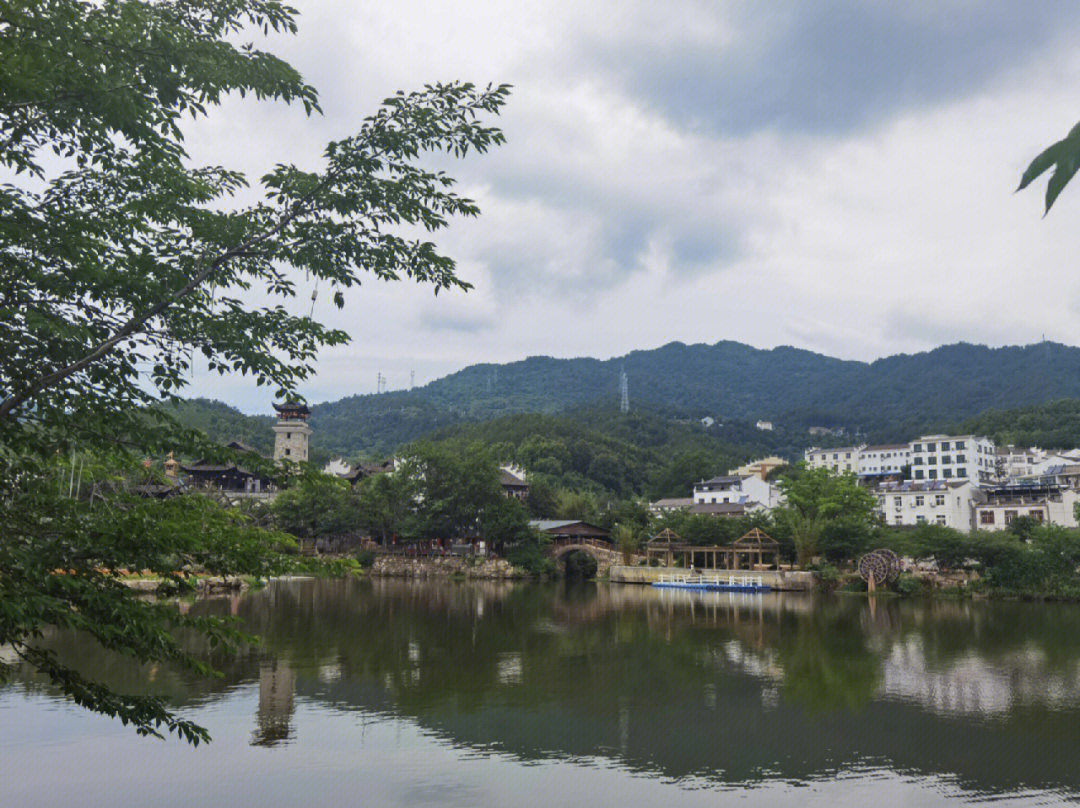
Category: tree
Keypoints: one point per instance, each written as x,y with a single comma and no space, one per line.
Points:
628,540
388,504
120,261
1063,157
455,482
316,507
822,505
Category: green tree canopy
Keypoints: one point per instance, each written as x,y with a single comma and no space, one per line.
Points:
121,261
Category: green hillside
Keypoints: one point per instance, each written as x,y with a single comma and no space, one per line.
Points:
889,399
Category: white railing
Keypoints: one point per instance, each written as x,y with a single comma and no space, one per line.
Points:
715,580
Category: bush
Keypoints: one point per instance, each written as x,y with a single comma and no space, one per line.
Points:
908,585
366,558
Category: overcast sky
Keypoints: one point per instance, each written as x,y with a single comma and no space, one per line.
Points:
832,175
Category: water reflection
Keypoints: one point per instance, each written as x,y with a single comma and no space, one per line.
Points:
727,689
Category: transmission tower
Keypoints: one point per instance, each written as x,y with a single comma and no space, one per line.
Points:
624,392
412,379
380,383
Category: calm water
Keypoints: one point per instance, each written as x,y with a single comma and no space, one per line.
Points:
393,693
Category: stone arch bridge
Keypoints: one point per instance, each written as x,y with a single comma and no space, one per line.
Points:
602,552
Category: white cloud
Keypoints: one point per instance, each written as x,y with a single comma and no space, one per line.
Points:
609,226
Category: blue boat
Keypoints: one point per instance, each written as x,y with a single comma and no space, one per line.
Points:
712,583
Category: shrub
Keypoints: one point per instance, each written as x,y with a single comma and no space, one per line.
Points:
366,558
908,585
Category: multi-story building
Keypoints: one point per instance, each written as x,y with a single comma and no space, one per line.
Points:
291,432
741,489
947,457
1015,461
939,502
1043,503
837,460
884,460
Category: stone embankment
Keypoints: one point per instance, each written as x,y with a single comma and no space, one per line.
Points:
392,566
205,586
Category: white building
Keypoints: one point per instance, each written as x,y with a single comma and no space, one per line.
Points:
940,502
738,489
1043,503
947,457
337,467
767,426
837,460
1015,461
885,459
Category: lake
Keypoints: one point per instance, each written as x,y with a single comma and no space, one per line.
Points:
391,692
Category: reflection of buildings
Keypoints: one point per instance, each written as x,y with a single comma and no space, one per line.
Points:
276,684
975,685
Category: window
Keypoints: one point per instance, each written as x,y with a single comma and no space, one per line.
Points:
847,456
944,446
940,519
288,435
961,459
961,472
986,517
931,447
946,459
931,460
1037,515
288,451
917,461
836,456
920,519
918,474
946,473
918,447
919,501
899,519
897,501
1009,516
958,445
939,499
932,475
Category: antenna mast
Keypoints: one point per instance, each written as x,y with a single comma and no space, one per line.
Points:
624,392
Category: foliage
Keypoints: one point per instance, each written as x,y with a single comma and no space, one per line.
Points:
827,513
628,540
505,522
1063,157
891,399
122,261
455,483
907,584
366,558
387,504
317,506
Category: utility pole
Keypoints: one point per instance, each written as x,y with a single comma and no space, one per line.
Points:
412,379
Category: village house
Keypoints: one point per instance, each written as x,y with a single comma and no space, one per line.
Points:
737,489
938,502
514,482
1051,504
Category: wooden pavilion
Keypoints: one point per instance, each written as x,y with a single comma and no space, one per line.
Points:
755,550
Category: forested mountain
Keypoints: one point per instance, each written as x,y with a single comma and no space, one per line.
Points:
887,399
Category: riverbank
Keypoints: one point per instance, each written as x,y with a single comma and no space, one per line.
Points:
492,569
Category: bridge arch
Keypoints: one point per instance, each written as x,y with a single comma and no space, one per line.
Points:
602,552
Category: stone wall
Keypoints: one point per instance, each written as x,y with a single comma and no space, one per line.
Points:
403,567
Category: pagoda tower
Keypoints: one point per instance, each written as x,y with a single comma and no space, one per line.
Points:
291,432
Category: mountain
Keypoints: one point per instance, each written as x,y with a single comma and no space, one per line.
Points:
888,399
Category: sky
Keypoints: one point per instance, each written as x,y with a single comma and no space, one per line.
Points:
833,175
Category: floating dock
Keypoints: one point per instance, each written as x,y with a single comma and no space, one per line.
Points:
712,583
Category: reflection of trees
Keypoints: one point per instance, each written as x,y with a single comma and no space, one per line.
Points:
665,681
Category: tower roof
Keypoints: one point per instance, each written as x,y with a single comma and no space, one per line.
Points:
292,407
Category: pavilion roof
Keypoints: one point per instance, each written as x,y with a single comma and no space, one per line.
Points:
665,536
756,537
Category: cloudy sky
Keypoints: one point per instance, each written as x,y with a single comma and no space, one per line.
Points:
832,175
